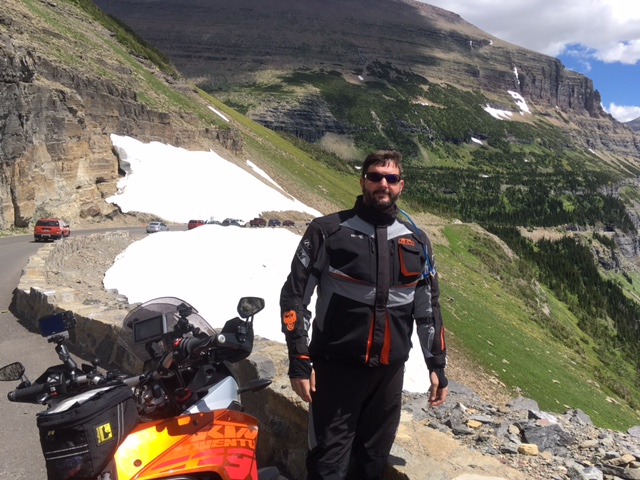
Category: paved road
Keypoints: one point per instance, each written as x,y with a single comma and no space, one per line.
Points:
20,455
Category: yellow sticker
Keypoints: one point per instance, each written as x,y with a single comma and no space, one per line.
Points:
104,433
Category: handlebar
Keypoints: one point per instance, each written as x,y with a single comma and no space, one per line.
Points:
59,389
191,347
183,349
29,394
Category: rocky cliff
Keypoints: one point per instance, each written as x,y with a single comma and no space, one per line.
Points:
61,96
226,45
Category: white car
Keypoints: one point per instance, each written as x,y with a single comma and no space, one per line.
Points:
156,227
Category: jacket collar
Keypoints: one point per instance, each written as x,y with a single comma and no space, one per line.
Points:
373,216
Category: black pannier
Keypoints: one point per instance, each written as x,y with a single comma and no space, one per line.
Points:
80,435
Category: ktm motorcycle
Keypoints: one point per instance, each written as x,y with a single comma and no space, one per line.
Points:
178,417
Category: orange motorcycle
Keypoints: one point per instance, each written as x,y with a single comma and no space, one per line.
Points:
179,417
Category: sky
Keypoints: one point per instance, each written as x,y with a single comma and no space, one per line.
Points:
211,267
597,38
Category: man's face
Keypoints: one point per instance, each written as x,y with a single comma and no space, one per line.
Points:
381,194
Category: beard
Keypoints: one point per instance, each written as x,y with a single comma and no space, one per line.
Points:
374,200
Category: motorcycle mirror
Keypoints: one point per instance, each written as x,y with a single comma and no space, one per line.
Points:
249,306
13,371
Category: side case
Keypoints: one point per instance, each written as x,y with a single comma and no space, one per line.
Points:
80,435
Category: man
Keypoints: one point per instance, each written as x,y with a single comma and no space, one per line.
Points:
374,279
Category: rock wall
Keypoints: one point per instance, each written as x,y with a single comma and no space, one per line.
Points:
56,155
56,119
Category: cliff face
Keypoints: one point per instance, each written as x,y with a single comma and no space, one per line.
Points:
223,45
56,155
230,43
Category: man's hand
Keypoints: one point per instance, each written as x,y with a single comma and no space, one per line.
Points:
437,395
303,386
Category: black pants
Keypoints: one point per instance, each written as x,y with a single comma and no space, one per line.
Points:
353,420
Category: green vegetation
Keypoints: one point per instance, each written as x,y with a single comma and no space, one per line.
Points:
290,162
521,333
14,231
129,39
603,310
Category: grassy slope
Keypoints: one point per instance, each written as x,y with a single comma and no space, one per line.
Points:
489,305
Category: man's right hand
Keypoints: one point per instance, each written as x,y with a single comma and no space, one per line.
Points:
304,386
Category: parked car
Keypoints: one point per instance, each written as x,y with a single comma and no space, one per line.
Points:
288,223
274,222
195,223
258,222
50,229
233,221
156,227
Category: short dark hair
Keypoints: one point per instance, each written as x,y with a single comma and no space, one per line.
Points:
382,157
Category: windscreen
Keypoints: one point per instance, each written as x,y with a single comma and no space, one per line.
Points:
136,354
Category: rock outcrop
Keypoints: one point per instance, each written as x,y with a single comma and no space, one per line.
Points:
56,156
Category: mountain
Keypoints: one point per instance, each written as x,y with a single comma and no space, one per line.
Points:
531,214
634,124
244,51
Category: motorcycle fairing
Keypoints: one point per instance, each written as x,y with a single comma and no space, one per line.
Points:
223,441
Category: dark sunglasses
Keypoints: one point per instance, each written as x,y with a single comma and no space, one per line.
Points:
375,177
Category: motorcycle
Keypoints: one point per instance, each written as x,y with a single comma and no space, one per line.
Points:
178,417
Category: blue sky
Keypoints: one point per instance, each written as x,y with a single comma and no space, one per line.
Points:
598,38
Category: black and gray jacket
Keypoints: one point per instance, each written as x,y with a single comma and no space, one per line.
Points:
373,281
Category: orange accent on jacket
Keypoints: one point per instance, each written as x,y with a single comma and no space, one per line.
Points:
289,319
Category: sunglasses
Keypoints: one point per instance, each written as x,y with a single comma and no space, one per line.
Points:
375,177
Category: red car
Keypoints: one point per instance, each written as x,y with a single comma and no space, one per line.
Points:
288,223
195,223
50,229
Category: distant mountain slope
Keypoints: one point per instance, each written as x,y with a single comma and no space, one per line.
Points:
634,124
241,52
226,43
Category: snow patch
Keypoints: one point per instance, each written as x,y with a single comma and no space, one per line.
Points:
499,114
520,101
218,113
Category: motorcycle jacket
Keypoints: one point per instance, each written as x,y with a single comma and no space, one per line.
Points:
373,281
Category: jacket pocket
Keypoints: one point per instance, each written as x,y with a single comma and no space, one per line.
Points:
411,260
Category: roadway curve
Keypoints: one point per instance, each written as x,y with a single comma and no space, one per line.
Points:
21,457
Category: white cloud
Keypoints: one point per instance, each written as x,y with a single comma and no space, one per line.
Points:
627,53
610,28
623,113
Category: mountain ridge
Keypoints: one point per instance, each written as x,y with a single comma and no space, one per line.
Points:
223,46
